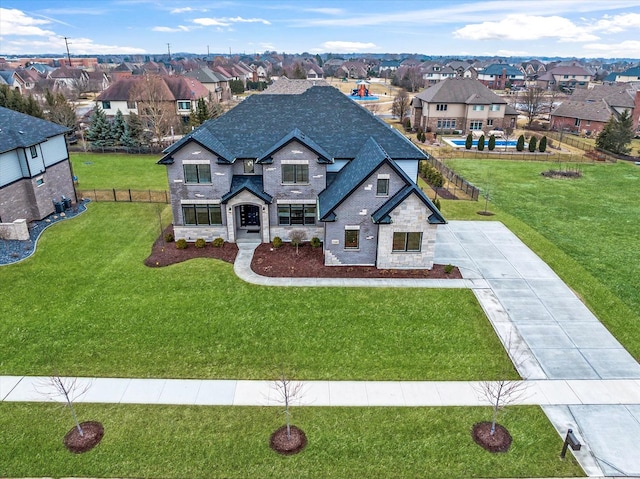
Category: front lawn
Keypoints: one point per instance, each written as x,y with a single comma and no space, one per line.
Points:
586,229
232,442
86,305
119,171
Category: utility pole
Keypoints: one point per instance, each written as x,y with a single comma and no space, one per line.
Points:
68,55
169,50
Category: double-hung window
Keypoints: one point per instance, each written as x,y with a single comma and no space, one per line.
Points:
478,107
197,173
293,173
407,242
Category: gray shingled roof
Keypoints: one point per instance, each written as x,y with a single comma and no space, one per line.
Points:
460,90
621,96
284,86
327,117
18,130
251,183
596,111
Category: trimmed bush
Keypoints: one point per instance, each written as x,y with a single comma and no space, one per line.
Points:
315,242
200,243
542,146
436,203
492,143
181,243
218,242
533,143
520,143
277,242
168,238
481,143
448,268
468,143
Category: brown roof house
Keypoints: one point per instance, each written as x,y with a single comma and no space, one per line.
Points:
461,104
587,111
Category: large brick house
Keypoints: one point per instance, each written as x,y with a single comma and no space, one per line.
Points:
312,161
461,104
34,167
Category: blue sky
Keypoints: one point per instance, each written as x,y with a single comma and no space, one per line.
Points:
581,28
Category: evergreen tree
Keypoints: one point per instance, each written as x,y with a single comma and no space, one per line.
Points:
236,86
299,73
533,143
617,134
492,142
481,143
520,143
60,111
542,146
200,114
133,136
468,143
13,100
99,133
117,128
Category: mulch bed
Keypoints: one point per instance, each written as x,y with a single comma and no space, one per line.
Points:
562,174
165,254
308,262
280,443
92,435
500,441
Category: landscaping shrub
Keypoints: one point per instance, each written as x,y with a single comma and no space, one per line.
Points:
542,146
431,175
520,143
481,143
181,243
218,242
436,202
492,142
448,268
277,242
296,237
315,242
407,124
468,143
169,238
533,143
200,243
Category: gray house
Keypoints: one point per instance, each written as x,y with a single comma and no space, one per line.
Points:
34,167
312,161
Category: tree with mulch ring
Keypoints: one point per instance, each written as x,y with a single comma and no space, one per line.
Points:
84,438
288,443
498,441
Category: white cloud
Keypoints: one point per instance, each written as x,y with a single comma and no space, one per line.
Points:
78,46
618,23
179,28
226,21
182,10
627,48
326,11
348,47
14,22
526,27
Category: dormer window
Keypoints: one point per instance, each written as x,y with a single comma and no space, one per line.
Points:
249,168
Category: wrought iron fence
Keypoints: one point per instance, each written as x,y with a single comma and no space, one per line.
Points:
129,196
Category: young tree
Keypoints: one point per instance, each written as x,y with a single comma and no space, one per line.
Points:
520,143
468,143
533,102
481,143
542,146
200,114
533,143
67,388
492,142
400,106
297,237
617,134
288,392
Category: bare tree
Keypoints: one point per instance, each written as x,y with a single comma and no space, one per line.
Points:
533,102
400,106
288,392
156,105
70,389
373,108
297,237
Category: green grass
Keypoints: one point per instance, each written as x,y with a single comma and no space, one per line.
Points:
86,305
586,229
211,442
119,171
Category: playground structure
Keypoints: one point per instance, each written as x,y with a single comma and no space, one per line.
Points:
361,90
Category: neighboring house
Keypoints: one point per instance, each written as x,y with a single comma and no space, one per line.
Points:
34,167
586,112
500,76
313,71
215,82
630,75
69,78
314,162
461,104
182,92
353,70
13,80
436,72
565,78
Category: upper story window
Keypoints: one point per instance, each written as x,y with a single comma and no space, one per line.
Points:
34,151
441,107
131,105
197,173
295,173
478,107
495,107
382,186
106,105
249,167
184,105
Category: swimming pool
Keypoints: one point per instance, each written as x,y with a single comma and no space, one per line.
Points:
364,98
499,143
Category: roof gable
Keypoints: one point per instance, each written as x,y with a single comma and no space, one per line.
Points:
296,135
18,130
460,90
383,214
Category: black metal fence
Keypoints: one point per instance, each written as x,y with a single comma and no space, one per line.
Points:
455,183
129,196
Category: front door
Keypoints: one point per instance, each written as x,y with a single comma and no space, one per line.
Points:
249,216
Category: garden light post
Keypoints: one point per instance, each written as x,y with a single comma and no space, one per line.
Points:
570,440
